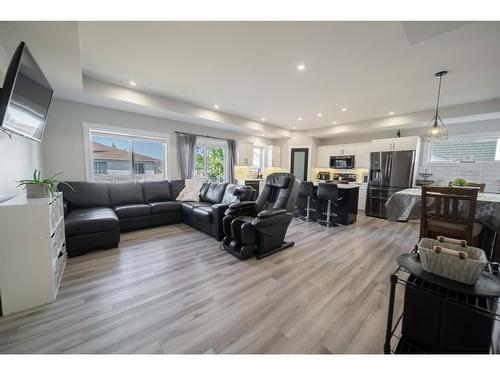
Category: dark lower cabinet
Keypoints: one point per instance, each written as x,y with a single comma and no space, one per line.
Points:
346,208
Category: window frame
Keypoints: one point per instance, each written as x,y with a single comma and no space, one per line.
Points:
262,159
88,128
427,150
213,142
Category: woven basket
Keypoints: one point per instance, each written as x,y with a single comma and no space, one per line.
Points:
463,263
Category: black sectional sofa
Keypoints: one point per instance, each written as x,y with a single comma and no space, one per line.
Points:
96,213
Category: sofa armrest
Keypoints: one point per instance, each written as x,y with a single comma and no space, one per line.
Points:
218,213
65,207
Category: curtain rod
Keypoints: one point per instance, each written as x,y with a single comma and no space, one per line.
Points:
206,136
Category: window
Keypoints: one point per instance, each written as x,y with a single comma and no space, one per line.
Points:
258,159
117,157
465,150
210,161
101,167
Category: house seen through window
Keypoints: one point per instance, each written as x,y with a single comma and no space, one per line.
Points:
121,158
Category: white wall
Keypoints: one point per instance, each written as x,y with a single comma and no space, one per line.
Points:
18,156
63,145
298,139
463,128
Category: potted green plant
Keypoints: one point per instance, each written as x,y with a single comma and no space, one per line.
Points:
41,188
459,182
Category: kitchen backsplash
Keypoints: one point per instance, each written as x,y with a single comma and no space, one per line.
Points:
480,173
244,173
358,171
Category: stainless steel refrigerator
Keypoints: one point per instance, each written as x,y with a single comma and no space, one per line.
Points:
390,171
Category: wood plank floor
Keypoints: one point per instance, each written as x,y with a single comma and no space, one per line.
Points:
171,290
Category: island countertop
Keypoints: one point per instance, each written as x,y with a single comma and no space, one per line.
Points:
340,186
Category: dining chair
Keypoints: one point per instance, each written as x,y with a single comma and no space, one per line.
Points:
449,212
480,186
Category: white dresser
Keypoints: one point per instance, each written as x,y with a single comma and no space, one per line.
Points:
32,252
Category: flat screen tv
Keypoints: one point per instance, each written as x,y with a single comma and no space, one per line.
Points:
25,96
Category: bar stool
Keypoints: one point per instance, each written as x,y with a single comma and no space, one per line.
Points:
306,189
329,192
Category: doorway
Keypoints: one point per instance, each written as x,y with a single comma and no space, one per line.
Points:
299,160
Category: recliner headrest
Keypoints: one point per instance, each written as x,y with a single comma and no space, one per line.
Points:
281,180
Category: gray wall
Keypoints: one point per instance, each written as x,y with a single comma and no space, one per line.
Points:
63,145
18,156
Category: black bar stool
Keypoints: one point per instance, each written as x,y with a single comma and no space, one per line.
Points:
329,192
306,190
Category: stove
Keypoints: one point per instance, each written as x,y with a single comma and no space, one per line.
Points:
344,177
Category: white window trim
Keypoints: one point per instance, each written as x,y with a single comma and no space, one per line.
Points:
88,127
262,157
426,162
205,141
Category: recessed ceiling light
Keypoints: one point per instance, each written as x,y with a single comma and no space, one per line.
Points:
334,123
300,119
320,114
344,109
391,112
132,83
263,119
216,106
301,67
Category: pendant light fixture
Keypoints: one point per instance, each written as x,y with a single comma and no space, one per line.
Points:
437,131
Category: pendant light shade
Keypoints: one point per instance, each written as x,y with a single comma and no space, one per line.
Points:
436,131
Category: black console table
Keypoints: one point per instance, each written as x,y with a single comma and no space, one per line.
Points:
441,315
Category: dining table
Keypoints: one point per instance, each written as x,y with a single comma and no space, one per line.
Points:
405,205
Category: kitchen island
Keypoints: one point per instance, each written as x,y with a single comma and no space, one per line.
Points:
346,210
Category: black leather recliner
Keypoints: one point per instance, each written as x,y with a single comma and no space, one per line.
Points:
258,228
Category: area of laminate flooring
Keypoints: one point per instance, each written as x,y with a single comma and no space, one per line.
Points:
171,290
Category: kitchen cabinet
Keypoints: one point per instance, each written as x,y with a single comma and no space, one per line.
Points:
395,144
323,156
245,153
363,189
362,154
273,156
256,183
343,150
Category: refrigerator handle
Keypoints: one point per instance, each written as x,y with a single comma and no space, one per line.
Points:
390,166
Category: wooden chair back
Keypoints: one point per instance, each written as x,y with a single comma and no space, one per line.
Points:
480,186
443,204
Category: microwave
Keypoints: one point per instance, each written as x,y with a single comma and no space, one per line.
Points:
342,162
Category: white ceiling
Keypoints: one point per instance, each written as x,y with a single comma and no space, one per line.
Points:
249,68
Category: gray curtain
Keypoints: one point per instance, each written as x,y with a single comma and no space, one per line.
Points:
231,157
186,144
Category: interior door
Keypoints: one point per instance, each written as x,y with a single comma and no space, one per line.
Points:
298,165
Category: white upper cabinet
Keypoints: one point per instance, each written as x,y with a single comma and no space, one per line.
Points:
406,143
245,153
395,144
323,156
343,150
362,154
273,156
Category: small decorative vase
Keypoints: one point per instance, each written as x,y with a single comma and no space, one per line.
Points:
36,191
